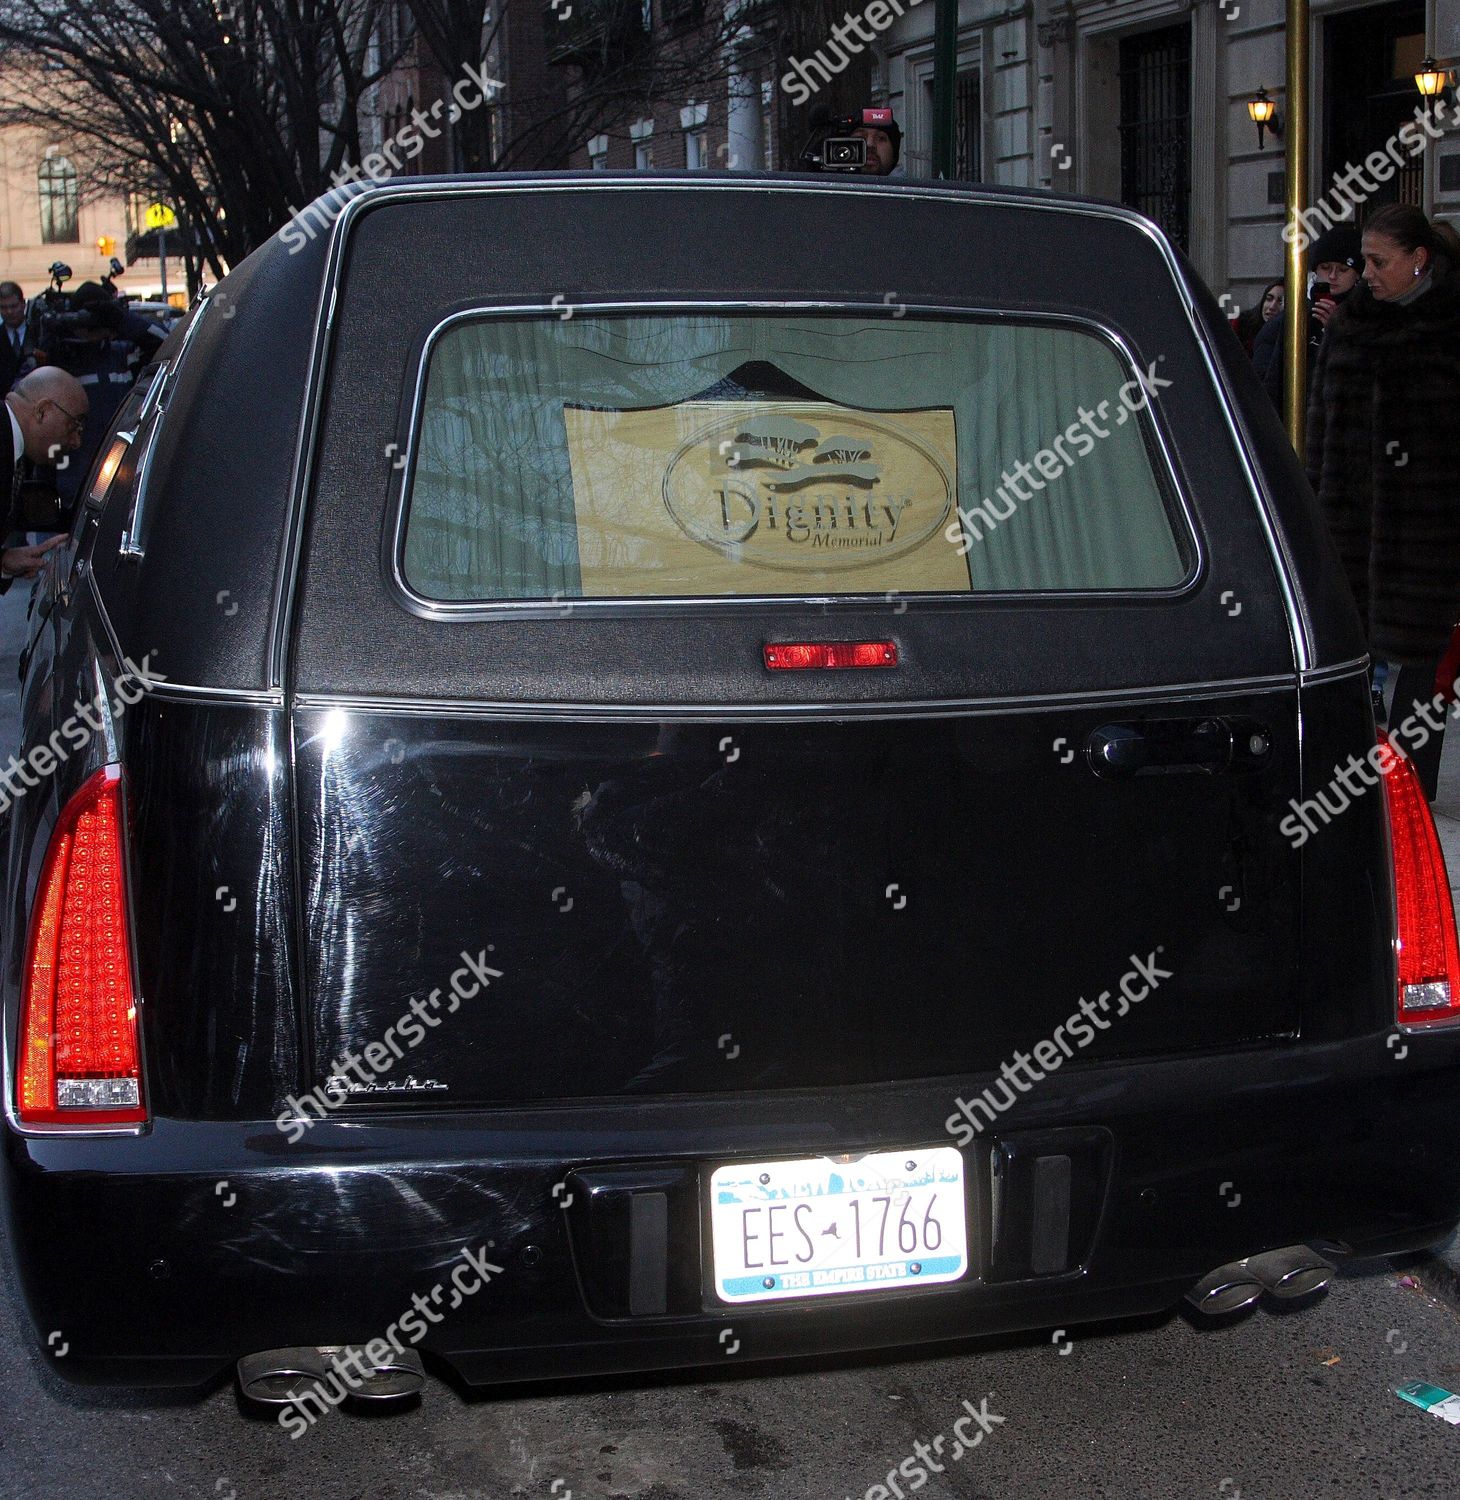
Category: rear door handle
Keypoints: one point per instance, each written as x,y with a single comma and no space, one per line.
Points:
1164,747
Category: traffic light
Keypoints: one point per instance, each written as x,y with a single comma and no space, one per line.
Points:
106,244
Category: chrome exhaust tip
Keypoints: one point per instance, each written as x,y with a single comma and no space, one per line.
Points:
275,1377
397,1377
282,1377
1228,1289
1290,1273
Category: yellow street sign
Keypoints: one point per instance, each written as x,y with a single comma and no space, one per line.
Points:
160,216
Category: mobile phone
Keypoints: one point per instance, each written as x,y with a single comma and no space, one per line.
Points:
1321,290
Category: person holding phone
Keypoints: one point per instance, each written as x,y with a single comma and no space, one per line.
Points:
1336,261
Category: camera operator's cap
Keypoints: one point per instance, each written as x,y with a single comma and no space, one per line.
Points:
881,119
1338,245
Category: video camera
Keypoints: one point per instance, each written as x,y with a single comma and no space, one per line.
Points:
832,147
61,326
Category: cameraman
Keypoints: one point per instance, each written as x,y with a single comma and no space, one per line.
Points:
866,141
884,146
91,340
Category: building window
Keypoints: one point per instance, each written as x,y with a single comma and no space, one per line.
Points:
137,212
641,132
696,138
1155,127
598,153
968,128
967,125
60,202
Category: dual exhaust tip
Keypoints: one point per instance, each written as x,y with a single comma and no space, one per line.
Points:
1286,1275
284,1377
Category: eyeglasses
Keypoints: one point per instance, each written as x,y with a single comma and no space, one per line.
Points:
74,423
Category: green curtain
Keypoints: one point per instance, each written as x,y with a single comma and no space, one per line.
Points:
491,505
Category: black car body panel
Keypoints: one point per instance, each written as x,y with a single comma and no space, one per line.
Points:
724,914
846,901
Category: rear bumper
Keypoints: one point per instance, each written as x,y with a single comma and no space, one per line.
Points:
161,1259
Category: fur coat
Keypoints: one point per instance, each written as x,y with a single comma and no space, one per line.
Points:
1384,459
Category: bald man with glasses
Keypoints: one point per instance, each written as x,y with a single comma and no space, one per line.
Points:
47,414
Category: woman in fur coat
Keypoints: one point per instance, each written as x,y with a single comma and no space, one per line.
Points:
1384,455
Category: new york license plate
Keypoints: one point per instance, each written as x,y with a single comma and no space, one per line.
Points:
822,1225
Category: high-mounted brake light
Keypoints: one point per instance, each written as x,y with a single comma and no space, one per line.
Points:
80,1063
803,656
1429,956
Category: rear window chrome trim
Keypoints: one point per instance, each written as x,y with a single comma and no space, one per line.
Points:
133,545
1282,563
188,692
1176,503
1336,672
784,712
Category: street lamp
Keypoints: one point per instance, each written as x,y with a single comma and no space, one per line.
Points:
1262,111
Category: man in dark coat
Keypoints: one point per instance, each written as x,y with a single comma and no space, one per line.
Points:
16,344
1384,459
45,415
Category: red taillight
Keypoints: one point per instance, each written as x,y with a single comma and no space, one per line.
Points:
79,1059
1429,957
803,656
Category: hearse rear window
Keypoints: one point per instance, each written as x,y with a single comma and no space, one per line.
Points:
680,456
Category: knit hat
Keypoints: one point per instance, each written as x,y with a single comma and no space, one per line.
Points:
1340,244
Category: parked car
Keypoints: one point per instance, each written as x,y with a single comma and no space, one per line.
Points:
694,768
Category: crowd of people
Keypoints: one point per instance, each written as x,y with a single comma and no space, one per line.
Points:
1383,445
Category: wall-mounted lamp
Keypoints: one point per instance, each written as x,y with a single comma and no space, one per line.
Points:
1433,78
1263,113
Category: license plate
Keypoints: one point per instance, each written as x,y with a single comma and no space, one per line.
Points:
822,1225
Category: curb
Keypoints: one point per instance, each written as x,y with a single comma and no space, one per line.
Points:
1438,1270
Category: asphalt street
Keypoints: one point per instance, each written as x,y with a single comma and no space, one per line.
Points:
1275,1406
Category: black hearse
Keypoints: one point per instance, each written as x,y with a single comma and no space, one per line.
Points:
721,767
